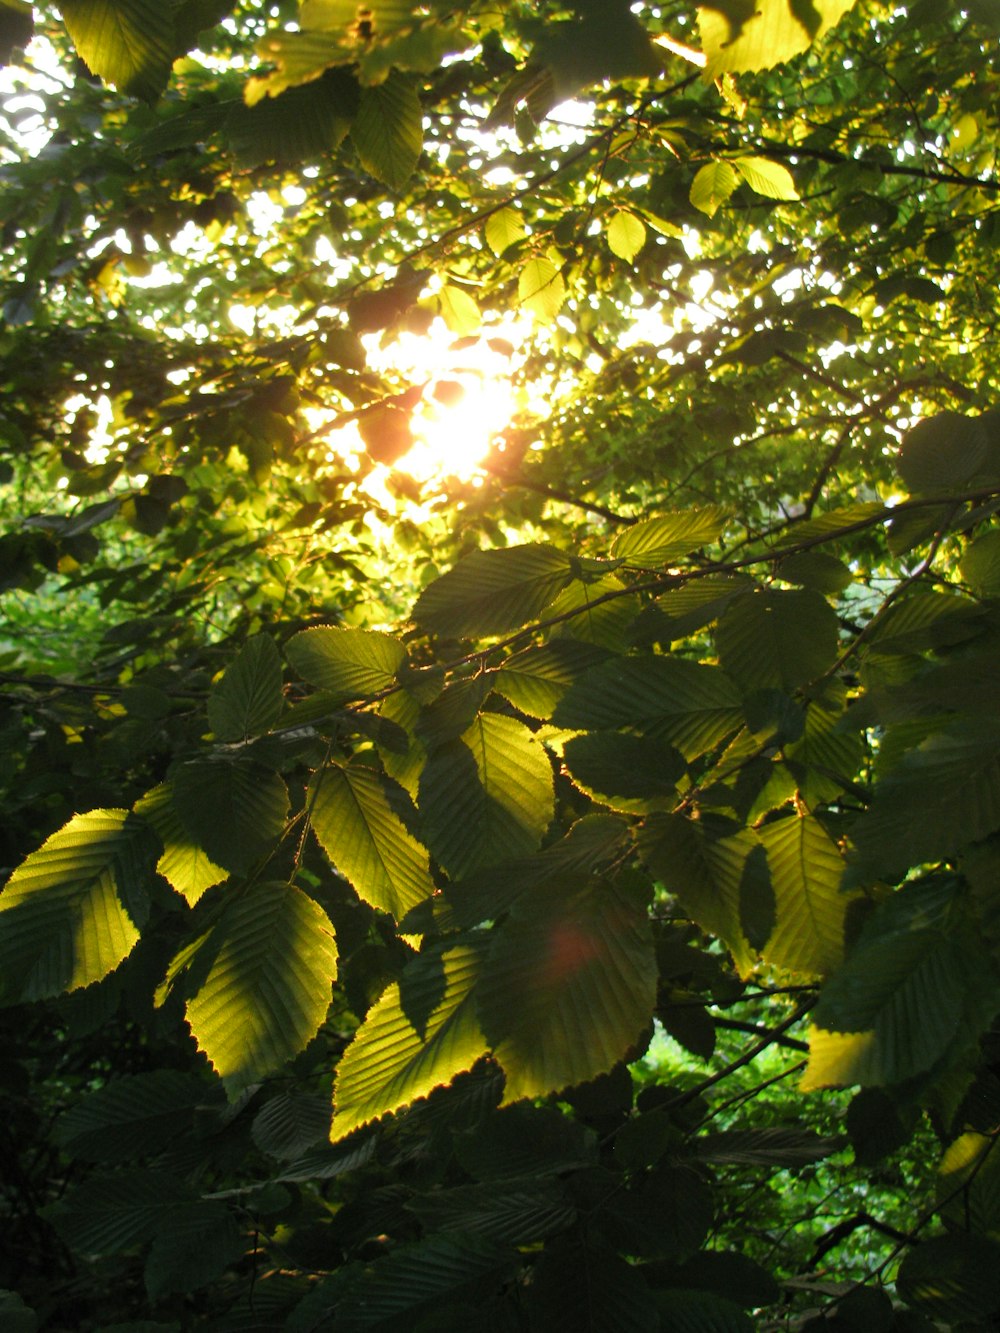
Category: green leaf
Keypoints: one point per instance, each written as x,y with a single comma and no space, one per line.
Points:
503,229
420,1034
388,130
909,989
15,1316
778,638
740,35
770,179
416,1276
541,289
298,57
366,840
622,769
816,569
774,1146
589,1291
535,679
968,1187
626,235
654,542
135,1116
459,310
291,1123
943,451
71,912
233,808
305,123
348,663
691,706
712,186
267,989
16,28
806,872
486,797
192,1247
127,43
702,1312
980,565
568,987
953,1278
493,592
518,1210
943,794
112,1213
705,873
182,864
247,701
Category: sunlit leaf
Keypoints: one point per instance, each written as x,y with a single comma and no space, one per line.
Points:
626,235
541,289
128,43
388,130
267,988
421,1033
712,186
756,34
348,663
366,839
503,229
770,179
247,701
459,310
658,541
806,872
72,910
232,808
183,863
491,592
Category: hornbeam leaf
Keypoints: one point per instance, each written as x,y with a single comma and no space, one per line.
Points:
569,985
487,796
705,873
111,1213
459,310
954,1279
740,35
366,840
234,809
518,1210
767,178
712,186
349,663
778,638
806,872
16,27
183,864
193,1245
308,121
135,1116
968,1187
127,43
535,679
692,706
658,541
943,451
388,130
420,1034
273,961
504,229
942,795
71,912
541,288
626,235
247,701
492,592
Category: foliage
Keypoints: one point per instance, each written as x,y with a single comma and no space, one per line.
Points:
422,894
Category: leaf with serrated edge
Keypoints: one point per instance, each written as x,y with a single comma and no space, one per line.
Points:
388,130
486,797
71,911
569,984
389,1064
491,592
459,310
767,178
367,841
268,988
806,872
247,701
541,288
504,229
348,663
712,186
626,235
737,36
656,541
128,43
182,864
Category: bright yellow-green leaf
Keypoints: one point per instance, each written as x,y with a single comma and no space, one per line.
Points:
541,289
840,1060
806,872
419,1035
128,43
768,178
626,235
183,864
388,130
712,186
459,310
503,229
756,34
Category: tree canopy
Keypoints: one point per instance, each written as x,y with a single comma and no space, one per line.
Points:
551,882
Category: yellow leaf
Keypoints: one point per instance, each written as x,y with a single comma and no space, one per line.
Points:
626,235
459,311
541,289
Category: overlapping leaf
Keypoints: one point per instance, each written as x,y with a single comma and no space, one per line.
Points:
420,1034
657,541
183,863
492,592
388,130
247,701
568,987
740,35
135,1116
777,639
72,910
366,840
233,808
128,43
267,989
347,663
806,872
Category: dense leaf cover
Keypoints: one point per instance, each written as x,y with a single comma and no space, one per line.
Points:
561,898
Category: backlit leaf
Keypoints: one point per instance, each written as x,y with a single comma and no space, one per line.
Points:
247,701
234,809
712,186
770,179
71,912
658,541
777,639
388,130
626,235
348,663
459,310
487,796
569,985
127,43
742,35
420,1034
267,990
492,592
806,872
183,863
504,228
366,839
541,289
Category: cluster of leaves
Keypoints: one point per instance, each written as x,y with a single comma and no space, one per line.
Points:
348,890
